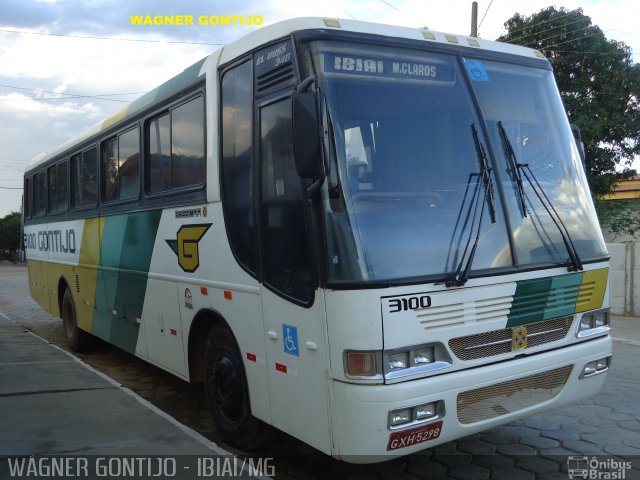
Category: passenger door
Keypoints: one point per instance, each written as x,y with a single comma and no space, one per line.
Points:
293,311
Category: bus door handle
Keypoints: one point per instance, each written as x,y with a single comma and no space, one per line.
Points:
272,335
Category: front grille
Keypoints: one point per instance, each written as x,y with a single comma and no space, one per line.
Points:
454,314
510,396
497,342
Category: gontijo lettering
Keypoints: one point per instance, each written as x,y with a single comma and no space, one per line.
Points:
51,241
188,20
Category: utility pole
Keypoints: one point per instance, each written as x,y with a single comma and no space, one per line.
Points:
474,19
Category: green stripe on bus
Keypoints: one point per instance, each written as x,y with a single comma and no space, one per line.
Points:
125,257
544,298
563,296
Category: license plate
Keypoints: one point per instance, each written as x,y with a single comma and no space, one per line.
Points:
414,436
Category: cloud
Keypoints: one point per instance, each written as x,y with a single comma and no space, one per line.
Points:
92,67
112,17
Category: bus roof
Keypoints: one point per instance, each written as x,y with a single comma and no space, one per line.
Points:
265,35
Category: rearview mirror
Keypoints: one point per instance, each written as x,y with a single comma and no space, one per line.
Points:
306,141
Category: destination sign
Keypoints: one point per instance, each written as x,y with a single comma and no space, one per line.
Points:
376,67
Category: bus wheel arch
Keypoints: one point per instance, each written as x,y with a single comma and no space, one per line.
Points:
225,384
63,285
77,339
201,326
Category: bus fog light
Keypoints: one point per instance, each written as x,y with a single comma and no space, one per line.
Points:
400,417
424,356
602,364
361,364
398,361
589,369
596,366
425,411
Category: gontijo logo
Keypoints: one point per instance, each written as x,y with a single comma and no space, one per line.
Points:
185,246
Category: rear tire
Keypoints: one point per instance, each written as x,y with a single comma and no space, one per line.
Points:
77,340
225,385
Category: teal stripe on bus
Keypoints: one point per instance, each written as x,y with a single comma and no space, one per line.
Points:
125,257
544,298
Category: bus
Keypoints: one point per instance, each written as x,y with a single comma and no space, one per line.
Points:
374,238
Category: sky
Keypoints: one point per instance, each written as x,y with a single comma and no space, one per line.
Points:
67,64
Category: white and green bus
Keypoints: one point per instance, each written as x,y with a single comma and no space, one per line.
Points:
374,238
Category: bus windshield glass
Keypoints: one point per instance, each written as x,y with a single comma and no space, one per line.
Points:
405,170
524,103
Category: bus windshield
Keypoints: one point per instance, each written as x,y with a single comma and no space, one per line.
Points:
405,169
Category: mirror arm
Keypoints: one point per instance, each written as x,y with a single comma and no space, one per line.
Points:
305,84
313,188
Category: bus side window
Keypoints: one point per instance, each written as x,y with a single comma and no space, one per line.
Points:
40,194
160,154
120,163
84,173
286,262
58,201
187,144
28,197
238,163
176,142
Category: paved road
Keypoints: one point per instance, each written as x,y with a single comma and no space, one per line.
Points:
606,427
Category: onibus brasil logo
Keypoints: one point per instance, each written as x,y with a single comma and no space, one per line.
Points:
597,468
185,246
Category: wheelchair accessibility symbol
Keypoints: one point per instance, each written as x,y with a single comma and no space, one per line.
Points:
290,339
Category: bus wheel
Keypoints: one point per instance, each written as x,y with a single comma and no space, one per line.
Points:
77,340
227,394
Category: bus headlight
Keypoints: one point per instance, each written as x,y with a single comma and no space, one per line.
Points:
395,365
593,323
414,361
424,356
397,361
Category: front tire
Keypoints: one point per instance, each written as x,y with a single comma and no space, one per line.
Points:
77,340
225,385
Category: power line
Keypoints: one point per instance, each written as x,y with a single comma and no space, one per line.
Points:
587,52
109,38
398,10
485,14
539,23
72,95
392,6
564,34
11,188
63,98
11,167
514,40
577,39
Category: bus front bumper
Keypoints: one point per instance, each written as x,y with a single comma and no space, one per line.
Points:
504,392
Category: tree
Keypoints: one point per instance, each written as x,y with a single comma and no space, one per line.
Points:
599,85
10,232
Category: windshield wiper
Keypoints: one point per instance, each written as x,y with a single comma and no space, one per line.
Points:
461,274
519,169
485,173
514,166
